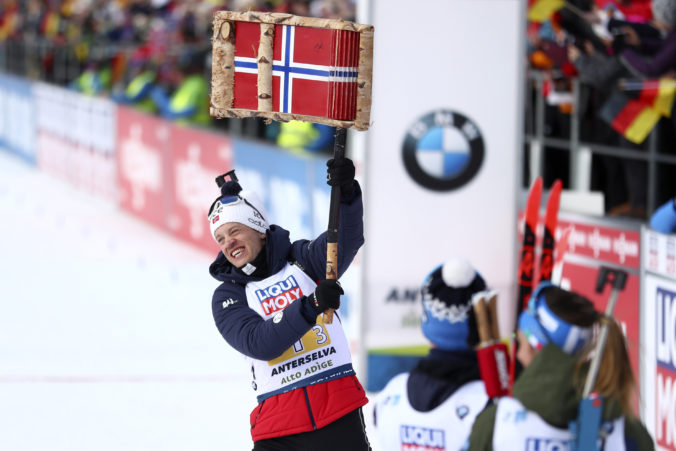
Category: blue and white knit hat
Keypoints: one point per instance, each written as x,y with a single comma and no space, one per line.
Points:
541,325
447,303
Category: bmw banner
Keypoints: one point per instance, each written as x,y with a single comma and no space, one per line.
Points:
441,160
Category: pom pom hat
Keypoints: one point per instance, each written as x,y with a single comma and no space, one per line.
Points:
447,303
236,205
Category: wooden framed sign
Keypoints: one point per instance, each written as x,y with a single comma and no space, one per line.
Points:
285,67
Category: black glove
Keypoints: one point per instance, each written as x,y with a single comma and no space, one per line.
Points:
340,173
326,295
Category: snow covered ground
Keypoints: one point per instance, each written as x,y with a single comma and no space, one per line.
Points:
106,335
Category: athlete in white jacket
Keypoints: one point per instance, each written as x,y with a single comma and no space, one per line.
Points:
434,406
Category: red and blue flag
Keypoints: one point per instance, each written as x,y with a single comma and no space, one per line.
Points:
314,70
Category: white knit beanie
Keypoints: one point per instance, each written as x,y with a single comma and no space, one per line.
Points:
247,210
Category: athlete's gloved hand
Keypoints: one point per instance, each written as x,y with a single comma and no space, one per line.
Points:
340,173
326,295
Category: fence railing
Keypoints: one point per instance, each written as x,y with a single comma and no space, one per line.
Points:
654,152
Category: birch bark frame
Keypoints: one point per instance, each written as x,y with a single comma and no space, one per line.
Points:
223,64
223,67
265,67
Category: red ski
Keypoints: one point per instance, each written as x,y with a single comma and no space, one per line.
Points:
530,274
548,239
527,261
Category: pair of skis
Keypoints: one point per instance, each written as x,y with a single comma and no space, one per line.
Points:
530,272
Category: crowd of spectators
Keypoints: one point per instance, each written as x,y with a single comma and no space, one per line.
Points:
152,54
618,52
155,55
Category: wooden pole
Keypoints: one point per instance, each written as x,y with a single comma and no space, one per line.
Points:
334,215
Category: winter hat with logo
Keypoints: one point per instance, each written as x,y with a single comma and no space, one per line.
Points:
665,11
447,291
237,205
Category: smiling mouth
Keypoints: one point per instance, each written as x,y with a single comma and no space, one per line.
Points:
236,252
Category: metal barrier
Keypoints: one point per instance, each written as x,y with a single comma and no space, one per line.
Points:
580,151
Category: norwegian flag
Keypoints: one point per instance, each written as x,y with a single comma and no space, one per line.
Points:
314,70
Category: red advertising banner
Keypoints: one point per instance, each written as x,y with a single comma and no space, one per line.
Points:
581,278
142,145
591,245
197,157
611,245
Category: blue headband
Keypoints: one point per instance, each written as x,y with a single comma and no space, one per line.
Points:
541,326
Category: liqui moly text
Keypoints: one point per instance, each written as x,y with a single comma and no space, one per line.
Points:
421,439
278,296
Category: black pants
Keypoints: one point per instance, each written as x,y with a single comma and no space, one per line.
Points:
347,433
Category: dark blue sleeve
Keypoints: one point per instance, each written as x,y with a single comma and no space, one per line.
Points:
247,332
312,254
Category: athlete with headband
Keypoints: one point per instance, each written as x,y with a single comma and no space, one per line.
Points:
555,338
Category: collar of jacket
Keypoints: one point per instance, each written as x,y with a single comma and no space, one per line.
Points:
437,376
277,246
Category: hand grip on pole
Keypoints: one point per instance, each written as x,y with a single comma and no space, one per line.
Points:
334,214
491,354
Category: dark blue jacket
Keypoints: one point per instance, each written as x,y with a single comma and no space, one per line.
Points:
439,375
243,328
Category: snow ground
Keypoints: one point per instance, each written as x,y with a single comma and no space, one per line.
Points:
106,335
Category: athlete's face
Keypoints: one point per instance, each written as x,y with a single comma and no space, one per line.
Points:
240,244
526,352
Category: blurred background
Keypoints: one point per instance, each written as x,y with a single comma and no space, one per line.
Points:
107,163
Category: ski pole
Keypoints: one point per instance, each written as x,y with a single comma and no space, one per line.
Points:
586,428
617,279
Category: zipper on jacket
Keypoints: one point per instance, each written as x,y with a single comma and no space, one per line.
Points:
260,407
309,409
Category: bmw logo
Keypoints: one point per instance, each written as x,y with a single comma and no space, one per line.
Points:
443,150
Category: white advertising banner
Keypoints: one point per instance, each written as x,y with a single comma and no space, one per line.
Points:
658,338
442,156
76,138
